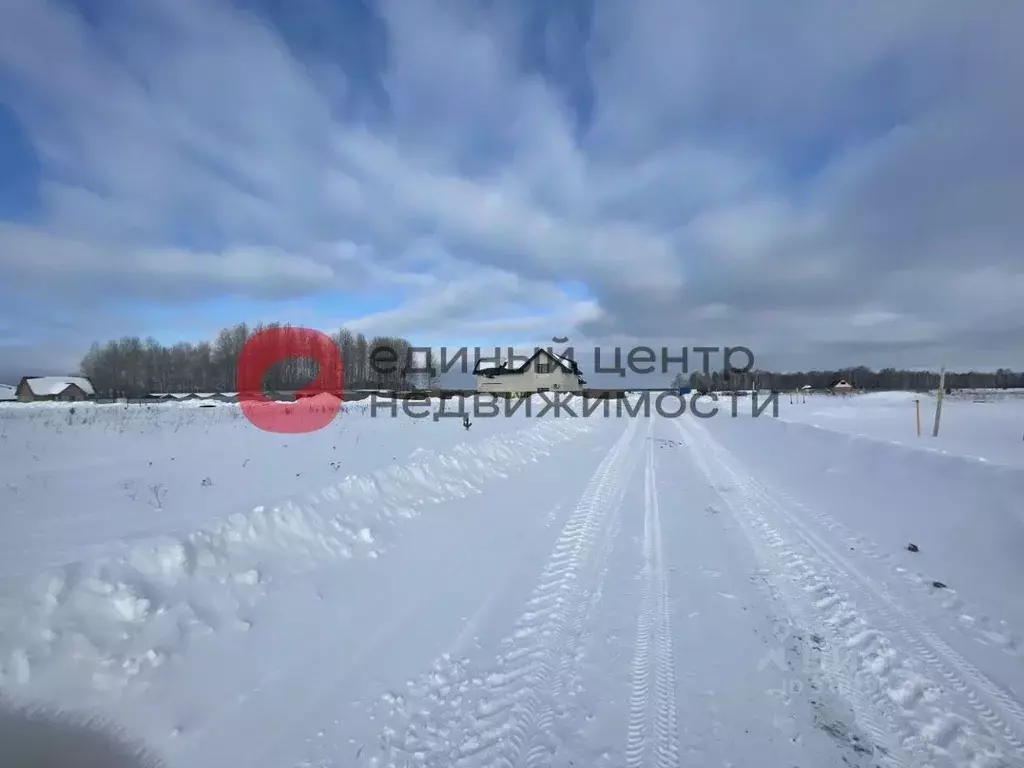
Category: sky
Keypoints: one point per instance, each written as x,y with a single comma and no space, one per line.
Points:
826,183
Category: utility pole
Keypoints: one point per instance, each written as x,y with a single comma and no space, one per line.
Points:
938,401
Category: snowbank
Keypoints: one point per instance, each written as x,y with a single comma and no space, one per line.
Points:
132,531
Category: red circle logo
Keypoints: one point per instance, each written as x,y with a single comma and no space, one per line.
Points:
315,406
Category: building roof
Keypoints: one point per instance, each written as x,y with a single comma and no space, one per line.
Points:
7,392
48,386
497,366
491,365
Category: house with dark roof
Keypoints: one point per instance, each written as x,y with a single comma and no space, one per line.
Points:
542,372
842,387
34,389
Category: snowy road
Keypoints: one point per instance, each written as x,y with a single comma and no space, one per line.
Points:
599,592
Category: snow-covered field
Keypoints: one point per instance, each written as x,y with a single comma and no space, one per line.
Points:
991,430
630,591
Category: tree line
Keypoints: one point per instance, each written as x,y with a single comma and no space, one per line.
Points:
860,377
133,367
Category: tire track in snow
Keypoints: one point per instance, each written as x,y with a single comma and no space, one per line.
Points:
1002,712
667,733
585,603
640,698
972,623
508,716
582,590
320,696
653,720
883,679
873,719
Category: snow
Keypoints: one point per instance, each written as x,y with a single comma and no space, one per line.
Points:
7,392
990,431
547,591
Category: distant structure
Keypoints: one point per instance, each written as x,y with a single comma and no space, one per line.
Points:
33,389
7,392
842,387
543,372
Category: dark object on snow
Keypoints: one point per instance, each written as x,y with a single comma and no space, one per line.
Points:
33,736
466,422
939,585
912,547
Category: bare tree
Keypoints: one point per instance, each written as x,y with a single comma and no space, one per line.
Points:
133,367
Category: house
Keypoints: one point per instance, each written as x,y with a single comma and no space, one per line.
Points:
7,392
42,388
543,372
842,387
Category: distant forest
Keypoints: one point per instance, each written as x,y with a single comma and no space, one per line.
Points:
132,367
860,377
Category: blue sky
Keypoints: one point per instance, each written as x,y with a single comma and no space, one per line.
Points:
19,169
828,184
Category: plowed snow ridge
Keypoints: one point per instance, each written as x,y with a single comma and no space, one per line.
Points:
158,592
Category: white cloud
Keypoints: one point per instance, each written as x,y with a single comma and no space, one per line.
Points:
835,181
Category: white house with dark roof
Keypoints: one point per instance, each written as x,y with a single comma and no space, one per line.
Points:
842,387
43,388
542,372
